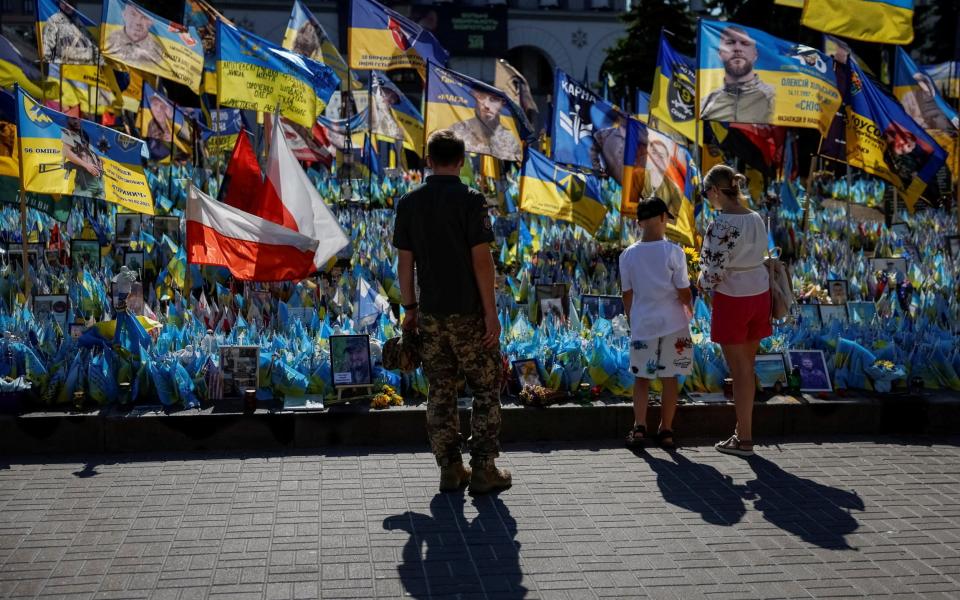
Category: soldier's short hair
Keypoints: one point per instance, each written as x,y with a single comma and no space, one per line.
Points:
445,148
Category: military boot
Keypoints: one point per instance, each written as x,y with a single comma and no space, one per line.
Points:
453,477
488,478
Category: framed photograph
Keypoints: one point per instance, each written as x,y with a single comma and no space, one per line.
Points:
814,376
15,256
55,306
76,330
350,360
133,260
838,290
134,298
85,253
771,370
833,312
896,265
551,291
953,246
862,312
527,372
169,226
810,314
128,227
240,368
551,306
594,306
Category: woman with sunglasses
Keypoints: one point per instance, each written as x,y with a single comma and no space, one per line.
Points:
731,266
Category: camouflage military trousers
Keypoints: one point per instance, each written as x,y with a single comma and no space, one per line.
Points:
453,351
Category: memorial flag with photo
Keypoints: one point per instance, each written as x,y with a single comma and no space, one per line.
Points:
747,76
203,17
674,90
382,39
882,139
57,206
514,84
135,37
161,124
393,116
65,35
67,155
307,37
552,190
484,117
947,77
880,21
254,74
656,165
918,94
587,131
335,130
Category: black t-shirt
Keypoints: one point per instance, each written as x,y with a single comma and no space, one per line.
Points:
440,222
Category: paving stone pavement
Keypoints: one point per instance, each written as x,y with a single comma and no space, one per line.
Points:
815,519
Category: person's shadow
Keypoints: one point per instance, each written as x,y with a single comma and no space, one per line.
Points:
697,488
816,513
476,558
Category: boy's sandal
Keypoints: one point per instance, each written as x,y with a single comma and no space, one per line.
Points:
735,446
636,436
665,439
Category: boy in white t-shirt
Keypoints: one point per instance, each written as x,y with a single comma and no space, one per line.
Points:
657,298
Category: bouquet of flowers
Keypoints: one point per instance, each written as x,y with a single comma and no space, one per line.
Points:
883,373
386,398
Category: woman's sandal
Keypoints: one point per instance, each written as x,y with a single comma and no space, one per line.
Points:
637,436
665,439
735,446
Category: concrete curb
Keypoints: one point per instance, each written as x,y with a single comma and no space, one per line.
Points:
110,431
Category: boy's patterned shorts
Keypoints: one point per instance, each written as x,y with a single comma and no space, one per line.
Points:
667,356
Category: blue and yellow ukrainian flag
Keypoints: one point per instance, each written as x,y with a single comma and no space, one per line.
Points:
792,85
169,50
382,39
402,112
918,93
458,102
884,140
223,127
882,21
947,77
254,74
305,35
642,105
549,189
790,3
66,155
673,98
15,70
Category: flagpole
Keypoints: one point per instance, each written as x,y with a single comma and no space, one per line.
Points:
697,123
23,213
96,93
173,121
60,87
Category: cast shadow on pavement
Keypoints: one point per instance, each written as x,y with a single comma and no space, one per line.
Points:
697,488
477,558
816,513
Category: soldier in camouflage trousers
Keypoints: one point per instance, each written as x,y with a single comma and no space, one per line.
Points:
442,234
452,349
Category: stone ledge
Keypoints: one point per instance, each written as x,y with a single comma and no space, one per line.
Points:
218,428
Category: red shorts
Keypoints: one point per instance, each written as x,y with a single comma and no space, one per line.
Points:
740,319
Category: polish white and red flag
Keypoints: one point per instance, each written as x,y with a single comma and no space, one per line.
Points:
278,231
253,249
